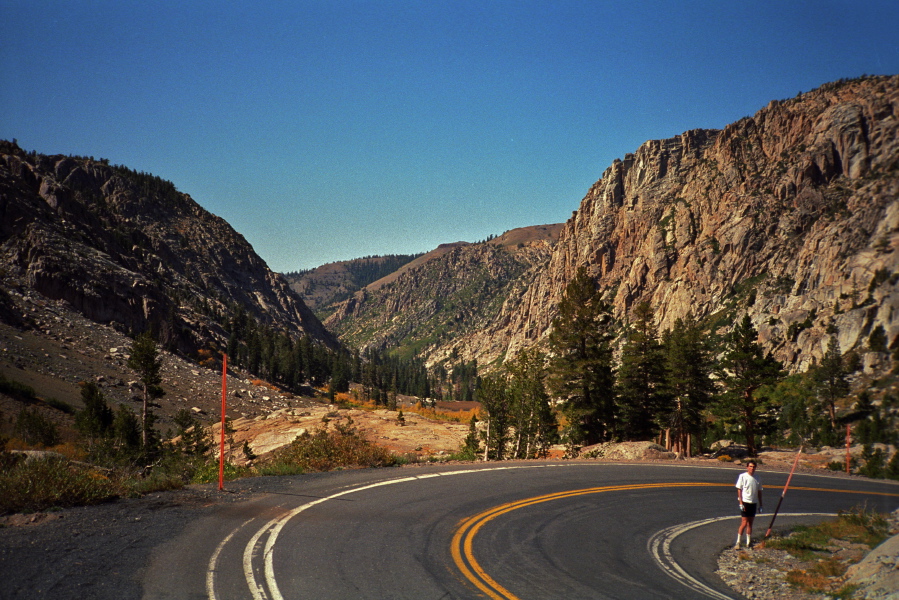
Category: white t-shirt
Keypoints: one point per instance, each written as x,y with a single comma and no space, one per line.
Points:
750,487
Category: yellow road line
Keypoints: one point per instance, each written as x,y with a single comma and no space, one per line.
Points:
463,539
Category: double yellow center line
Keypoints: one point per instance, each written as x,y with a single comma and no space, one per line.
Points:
463,538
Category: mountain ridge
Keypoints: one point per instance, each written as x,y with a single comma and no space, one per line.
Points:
789,215
126,248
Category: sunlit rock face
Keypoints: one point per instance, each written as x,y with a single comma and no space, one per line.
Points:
790,215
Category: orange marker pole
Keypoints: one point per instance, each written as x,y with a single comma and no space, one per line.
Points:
222,447
783,493
848,455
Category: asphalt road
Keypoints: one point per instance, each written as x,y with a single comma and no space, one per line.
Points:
515,531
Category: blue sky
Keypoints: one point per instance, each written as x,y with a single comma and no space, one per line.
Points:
330,130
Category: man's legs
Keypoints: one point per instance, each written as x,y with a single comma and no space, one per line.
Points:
744,523
749,521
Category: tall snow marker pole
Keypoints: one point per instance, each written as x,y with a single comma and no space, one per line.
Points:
783,493
222,445
848,455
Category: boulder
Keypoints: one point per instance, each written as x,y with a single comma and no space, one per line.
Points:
627,451
877,575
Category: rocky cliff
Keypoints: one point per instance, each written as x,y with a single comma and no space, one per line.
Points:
127,248
790,215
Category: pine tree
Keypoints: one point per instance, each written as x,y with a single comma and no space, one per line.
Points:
582,372
94,421
494,397
830,379
689,366
126,432
469,450
745,368
642,398
145,360
532,417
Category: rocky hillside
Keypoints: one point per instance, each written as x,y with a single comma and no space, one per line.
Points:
448,294
126,248
790,215
323,287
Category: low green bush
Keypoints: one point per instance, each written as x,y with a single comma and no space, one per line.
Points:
50,482
327,450
208,472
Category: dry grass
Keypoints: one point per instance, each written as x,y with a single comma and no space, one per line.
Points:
69,449
814,544
460,416
53,482
810,582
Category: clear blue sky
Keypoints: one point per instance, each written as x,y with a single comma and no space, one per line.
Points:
330,130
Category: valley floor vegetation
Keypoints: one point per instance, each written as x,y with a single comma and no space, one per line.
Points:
110,461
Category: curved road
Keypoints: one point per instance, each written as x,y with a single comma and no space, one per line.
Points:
515,531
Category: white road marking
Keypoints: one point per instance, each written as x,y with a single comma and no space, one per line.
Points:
274,527
659,546
213,562
277,524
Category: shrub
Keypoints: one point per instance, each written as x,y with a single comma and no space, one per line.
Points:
326,450
157,481
36,429
208,472
52,482
16,389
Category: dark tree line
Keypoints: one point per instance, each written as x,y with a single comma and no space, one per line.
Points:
293,363
617,381
368,269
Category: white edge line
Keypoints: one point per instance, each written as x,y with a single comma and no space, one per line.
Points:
669,565
278,523
213,562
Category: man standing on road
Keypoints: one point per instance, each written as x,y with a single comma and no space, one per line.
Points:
749,495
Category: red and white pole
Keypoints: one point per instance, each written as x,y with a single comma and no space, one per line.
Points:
222,446
783,493
848,455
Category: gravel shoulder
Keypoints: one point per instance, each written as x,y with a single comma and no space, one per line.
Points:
98,552
761,573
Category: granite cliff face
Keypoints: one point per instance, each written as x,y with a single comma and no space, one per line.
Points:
790,215
128,249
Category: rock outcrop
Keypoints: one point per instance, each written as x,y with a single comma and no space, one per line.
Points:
128,249
790,215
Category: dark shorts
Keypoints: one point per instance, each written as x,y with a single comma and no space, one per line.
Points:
748,510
